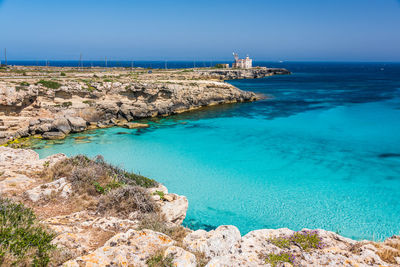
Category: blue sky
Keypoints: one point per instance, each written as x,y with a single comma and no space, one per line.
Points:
307,30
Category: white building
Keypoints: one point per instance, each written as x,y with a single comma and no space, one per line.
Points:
246,63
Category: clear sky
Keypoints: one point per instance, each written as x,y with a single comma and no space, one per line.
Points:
306,30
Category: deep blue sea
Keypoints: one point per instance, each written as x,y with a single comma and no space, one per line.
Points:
323,151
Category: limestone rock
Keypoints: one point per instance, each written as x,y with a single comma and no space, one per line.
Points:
215,243
60,187
175,210
132,125
181,257
62,125
77,124
132,247
53,135
14,183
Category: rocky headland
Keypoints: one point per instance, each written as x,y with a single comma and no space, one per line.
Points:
94,214
52,102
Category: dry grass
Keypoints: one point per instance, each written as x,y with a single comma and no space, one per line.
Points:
389,250
125,200
95,176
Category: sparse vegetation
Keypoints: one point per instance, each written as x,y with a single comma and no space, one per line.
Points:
66,104
107,80
306,240
389,250
160,193
50,84
63,74
274,259
158,260
24,83
23,241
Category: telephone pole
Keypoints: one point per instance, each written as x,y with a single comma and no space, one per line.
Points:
106,62
5,56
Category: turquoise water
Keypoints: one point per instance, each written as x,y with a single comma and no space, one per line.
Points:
322,152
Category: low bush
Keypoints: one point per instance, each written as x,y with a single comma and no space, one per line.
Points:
23,241
274,259
63,74
50,84
125,200
158,260
90,175
306,240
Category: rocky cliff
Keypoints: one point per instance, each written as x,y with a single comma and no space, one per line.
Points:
97,222
53,102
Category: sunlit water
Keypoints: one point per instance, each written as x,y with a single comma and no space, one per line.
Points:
322,152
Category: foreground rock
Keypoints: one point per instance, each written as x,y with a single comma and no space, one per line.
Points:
132,247
92,237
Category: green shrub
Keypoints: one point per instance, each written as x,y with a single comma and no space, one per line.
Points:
158,260
307,239
23,241
67,104
107,80
24,83
160,193
63,74
50,84
274,259
280,242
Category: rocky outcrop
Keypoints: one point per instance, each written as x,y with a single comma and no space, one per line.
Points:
233,74
132,247
76,103
91,238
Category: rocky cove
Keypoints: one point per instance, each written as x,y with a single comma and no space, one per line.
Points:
52,102
100,215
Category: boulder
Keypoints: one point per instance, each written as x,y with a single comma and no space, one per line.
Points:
59,187
77,124
53,135
132,247
132,125
215,243
175,209
62,125
180,257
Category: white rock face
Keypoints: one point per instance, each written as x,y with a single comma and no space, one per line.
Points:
215,243
175,209
18,167
14,183
181,257
132,247
59,187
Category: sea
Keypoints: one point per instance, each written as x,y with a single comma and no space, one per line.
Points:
322,151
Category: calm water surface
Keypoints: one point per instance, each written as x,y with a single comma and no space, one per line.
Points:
322,152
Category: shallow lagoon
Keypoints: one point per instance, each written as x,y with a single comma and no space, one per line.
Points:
321,152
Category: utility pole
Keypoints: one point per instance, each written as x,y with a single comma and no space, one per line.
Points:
166,64
80,60
5,56
106,62
131,65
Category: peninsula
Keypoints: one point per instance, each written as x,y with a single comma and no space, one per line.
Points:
53,101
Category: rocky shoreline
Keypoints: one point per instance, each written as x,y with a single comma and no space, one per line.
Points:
53,102
86,236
